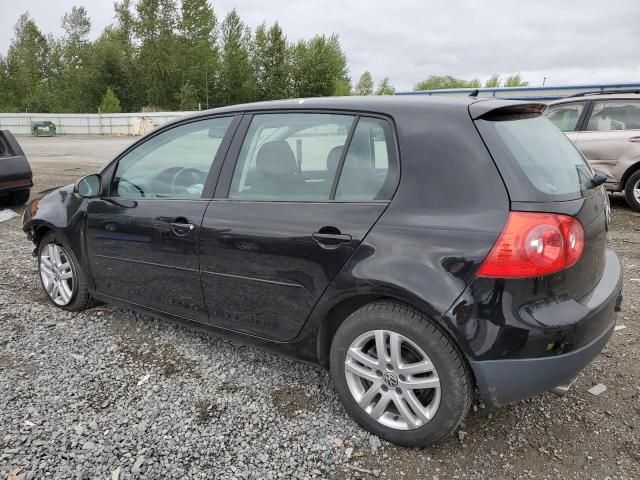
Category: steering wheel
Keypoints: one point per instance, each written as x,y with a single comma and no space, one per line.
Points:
127,184
185,178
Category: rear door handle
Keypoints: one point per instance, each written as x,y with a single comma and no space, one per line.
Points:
635,139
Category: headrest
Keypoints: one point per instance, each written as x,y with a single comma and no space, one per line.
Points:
276,159
333,158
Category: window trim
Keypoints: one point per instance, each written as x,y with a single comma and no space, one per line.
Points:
213,175
226,175
613,100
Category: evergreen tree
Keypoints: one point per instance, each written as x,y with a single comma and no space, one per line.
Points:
72,53
110,102
271,63
158,56
27,67
236,80
199,59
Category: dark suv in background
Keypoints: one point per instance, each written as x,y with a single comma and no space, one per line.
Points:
605,126
420,248
15,173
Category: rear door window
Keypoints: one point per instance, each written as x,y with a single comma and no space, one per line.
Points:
614,115
365,171
290,157
538,162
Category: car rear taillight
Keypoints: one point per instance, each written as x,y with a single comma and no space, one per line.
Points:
534,244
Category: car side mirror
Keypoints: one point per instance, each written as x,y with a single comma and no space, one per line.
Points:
598,178
89,186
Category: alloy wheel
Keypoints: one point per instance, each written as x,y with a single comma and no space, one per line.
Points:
392,379
56,272
636,191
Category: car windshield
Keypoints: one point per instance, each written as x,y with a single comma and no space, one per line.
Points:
540,153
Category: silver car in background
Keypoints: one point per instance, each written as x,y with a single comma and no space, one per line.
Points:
605,126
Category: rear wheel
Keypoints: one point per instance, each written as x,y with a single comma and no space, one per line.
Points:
632,191
19,197
61,275
399,375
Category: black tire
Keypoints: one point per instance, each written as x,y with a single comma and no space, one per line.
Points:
632,181
455,379
18,197
80,298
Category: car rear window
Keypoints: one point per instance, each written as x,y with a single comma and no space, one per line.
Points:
537,161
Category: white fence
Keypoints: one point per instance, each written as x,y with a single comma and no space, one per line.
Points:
114,124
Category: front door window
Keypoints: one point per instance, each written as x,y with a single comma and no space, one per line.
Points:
173,164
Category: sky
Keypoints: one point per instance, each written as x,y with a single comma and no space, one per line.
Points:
566,41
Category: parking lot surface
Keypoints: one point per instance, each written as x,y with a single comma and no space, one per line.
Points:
112,394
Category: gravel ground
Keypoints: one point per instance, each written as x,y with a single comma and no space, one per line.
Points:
111,394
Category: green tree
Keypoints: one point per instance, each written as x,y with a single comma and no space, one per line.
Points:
493,81
436,82
72,55
515,80
385,88
27,67
236,79
319,67
187,97
110,102
199,56
158,55
365,84
271,63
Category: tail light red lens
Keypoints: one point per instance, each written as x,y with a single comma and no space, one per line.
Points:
534,244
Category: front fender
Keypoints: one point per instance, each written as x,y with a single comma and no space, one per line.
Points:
58,210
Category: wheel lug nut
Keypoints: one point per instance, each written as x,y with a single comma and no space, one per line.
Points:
389,366
385,388
379,373
402,378
398,390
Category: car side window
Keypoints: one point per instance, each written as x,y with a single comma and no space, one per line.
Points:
172,164
565,116
366,167
615,115
290,157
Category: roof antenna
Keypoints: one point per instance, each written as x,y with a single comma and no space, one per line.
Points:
474,93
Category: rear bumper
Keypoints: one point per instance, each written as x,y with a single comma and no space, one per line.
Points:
504,380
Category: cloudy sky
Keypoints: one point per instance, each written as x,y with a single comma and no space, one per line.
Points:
567,41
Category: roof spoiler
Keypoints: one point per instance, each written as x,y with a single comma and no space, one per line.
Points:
504,110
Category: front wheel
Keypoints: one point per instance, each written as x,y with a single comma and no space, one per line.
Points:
61,276
632,191
399,376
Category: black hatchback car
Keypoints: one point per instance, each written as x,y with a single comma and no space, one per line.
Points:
419,248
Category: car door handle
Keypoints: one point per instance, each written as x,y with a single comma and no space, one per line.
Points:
331,240
181,229
635,139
